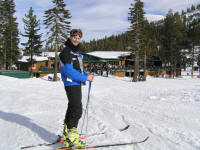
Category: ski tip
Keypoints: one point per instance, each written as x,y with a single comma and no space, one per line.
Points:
125,128
146,138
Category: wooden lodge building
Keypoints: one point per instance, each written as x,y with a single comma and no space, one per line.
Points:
118,63
121,63
112,61
43,65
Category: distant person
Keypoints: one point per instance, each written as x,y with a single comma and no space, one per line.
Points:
94,69
73,76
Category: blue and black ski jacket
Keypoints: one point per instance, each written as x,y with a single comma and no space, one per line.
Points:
71,66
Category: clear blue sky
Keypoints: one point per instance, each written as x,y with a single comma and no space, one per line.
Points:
100,18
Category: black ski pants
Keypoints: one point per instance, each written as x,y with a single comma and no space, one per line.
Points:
74,110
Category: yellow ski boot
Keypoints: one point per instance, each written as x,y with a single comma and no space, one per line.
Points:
65,131
71,138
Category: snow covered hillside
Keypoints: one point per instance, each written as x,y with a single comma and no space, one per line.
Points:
166,110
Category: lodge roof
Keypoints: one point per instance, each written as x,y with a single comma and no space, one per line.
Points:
49,54
35,58
109,54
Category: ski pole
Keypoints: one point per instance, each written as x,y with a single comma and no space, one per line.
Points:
87,104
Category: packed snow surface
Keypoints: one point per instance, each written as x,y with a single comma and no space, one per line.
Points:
167,110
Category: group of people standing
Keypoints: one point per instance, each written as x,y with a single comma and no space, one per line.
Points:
99,69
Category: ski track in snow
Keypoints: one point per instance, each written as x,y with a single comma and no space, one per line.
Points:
167,110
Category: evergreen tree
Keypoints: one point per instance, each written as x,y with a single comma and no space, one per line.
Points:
192,22
167,35
56,20
1,32
198,6
136,19
164,38
188,10
181,39
149,43
193,8
193,26
34,43
9,33
183,16
174,37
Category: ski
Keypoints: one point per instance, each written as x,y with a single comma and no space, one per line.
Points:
44,144
106,145
59,139
83,137
90,135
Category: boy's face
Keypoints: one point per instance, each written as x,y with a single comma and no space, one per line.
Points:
75,40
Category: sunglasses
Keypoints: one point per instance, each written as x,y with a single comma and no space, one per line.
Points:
76,32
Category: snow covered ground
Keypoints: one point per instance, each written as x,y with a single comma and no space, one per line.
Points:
166,110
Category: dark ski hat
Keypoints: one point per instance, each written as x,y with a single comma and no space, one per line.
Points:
75,32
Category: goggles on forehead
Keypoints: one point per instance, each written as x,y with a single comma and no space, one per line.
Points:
75,32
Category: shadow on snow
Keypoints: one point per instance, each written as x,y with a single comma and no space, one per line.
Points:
26,122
